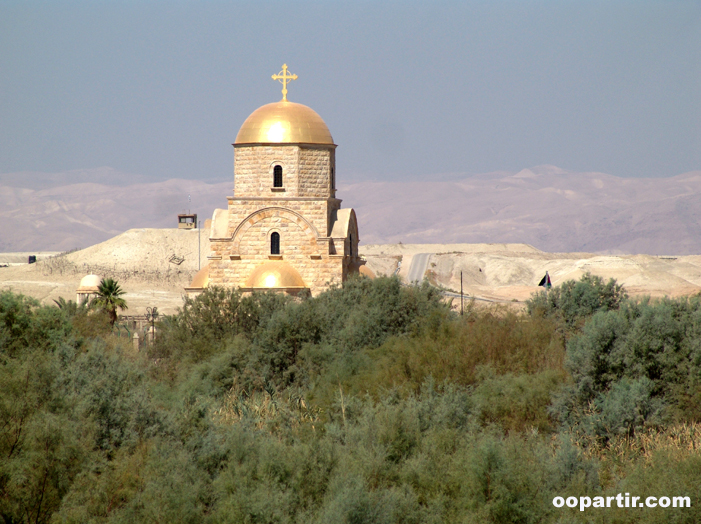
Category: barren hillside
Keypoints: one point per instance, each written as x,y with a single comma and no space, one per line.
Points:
544,206
547,207
512,271
154,265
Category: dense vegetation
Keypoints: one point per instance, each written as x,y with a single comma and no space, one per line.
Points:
373,403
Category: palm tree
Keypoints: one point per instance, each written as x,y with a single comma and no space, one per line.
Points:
71,308
109,298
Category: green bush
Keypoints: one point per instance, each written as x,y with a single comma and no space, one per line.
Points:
634,366
209,319
455,349
108,390
572,303
516,403
24,324
369,403
41,446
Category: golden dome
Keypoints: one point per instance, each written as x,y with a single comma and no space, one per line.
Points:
284,123
366,271
201,279
275,275
89,284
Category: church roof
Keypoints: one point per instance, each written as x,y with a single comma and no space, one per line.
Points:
342,222
284,123
220,224
275,274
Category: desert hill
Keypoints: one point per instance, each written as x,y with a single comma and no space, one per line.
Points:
64,217
544,206
547,207
154,265
508,272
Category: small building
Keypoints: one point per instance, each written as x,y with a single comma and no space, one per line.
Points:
187,221
284,228
88,288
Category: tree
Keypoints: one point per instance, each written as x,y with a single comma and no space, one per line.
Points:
574,302
69,307
109,298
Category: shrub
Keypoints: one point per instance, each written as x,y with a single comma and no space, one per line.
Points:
109,391
25,324
341,321
517,403
212,317
266,416
453,350
631,367
573,302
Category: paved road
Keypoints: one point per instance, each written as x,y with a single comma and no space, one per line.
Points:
419,263
417,269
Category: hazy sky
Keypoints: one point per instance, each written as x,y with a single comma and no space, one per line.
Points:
408,89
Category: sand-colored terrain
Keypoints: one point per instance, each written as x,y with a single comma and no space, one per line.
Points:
544,206
151,265
154,265
507,272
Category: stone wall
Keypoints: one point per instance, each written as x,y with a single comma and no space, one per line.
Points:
306,170
295,239
318,273
246,210
300,212
253,169
233,259
314,173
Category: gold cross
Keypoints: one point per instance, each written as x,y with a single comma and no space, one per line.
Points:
283,77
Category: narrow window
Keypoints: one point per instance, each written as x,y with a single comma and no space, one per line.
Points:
333,179
277,176
351,245
275,244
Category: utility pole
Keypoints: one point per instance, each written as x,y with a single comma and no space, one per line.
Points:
199,235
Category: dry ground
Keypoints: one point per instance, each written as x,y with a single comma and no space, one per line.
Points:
144,261
506,272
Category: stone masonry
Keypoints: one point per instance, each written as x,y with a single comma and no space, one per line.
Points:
316,239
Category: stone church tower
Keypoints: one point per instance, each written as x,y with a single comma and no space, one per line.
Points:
284,228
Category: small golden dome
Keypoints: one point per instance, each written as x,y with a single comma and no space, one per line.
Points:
89,284
366,271
201,279
275,274
284,123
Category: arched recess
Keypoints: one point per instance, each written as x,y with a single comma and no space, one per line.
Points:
353,236
274,243
255,217
353,225
277,175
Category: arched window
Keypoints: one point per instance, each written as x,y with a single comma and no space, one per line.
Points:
277,176
275,243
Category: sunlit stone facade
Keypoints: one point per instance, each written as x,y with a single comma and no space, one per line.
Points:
317,242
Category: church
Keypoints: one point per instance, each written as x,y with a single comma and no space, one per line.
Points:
284,228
